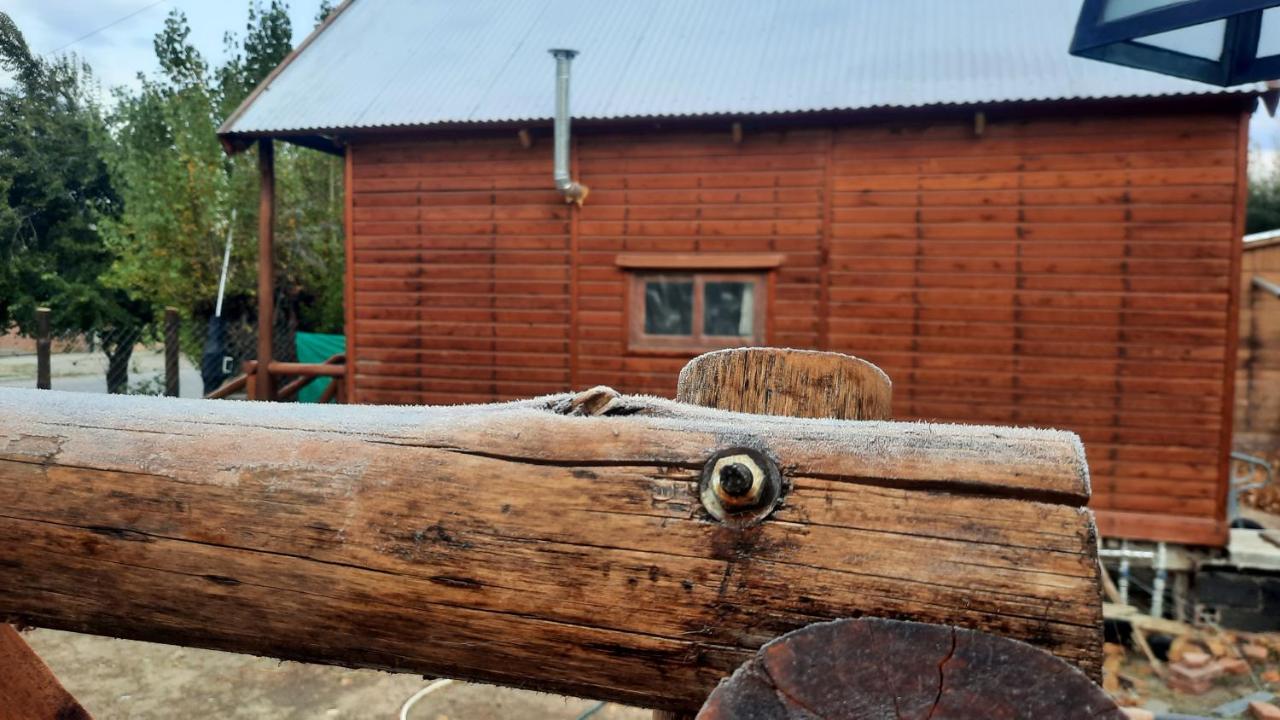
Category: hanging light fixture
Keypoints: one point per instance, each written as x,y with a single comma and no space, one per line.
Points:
1222,42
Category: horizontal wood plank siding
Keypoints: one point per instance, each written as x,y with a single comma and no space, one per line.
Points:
1064,273
1258,378
668,193
1059,271
461,272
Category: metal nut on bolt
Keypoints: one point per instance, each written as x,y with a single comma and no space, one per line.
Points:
740,486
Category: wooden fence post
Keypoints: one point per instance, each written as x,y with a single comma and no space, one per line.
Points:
791,383
43,344
171,352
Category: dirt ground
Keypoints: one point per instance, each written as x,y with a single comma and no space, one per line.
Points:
119,679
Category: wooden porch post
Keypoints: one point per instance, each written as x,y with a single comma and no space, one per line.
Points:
264,388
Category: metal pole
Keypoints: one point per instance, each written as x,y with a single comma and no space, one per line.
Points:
226,262
43,344
1123,584
171,352
1162,574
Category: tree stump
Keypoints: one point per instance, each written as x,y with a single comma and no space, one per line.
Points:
871,668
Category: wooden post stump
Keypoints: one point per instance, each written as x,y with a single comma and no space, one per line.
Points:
789,383
43,346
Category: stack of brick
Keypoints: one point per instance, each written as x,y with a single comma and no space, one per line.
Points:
1263,711
1194,673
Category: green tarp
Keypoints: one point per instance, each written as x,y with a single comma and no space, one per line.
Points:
316,348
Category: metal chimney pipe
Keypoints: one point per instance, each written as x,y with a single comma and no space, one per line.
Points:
573,191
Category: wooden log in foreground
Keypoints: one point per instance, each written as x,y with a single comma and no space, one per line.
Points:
527,544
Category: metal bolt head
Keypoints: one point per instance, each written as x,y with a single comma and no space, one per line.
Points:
740,486
736,480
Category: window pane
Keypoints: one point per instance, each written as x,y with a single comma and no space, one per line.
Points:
728,308
1204,40
1115,9
1269,38
668,307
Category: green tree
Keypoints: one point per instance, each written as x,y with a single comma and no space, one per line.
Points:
180,188
1264,204
58,192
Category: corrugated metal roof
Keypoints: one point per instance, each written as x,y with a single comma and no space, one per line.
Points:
420,62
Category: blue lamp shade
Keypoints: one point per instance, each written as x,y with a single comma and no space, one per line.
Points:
1223,42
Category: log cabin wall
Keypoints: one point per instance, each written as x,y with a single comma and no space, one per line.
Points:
1055,270
1257,417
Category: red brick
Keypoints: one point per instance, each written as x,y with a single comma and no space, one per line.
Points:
1193,680
1195,659
1233,666
1254,651
1263,711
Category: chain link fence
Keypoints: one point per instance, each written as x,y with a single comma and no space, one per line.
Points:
135,359
123,359
221,348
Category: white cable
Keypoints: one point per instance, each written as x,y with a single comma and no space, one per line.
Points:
414,698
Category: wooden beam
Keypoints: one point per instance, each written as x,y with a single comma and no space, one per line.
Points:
556,543
28,688
307,369
264,386
699,261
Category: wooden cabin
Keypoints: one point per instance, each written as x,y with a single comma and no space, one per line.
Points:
1258,374
1014,235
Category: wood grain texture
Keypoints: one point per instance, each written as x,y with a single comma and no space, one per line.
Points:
791,383
872,668
1257,411
28,688
518,545
1066,269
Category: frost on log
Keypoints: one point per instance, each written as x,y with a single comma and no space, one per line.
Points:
558,543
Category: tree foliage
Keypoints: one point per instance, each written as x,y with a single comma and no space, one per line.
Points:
179,187
58,193
1264,203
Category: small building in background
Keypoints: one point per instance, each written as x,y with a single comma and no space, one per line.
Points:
1014,235
1258,377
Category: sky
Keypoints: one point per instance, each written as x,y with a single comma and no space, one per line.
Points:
115,36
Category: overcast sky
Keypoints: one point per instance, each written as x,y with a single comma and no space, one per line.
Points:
119,32
115,36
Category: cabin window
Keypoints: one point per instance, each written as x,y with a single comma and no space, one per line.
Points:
696,311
